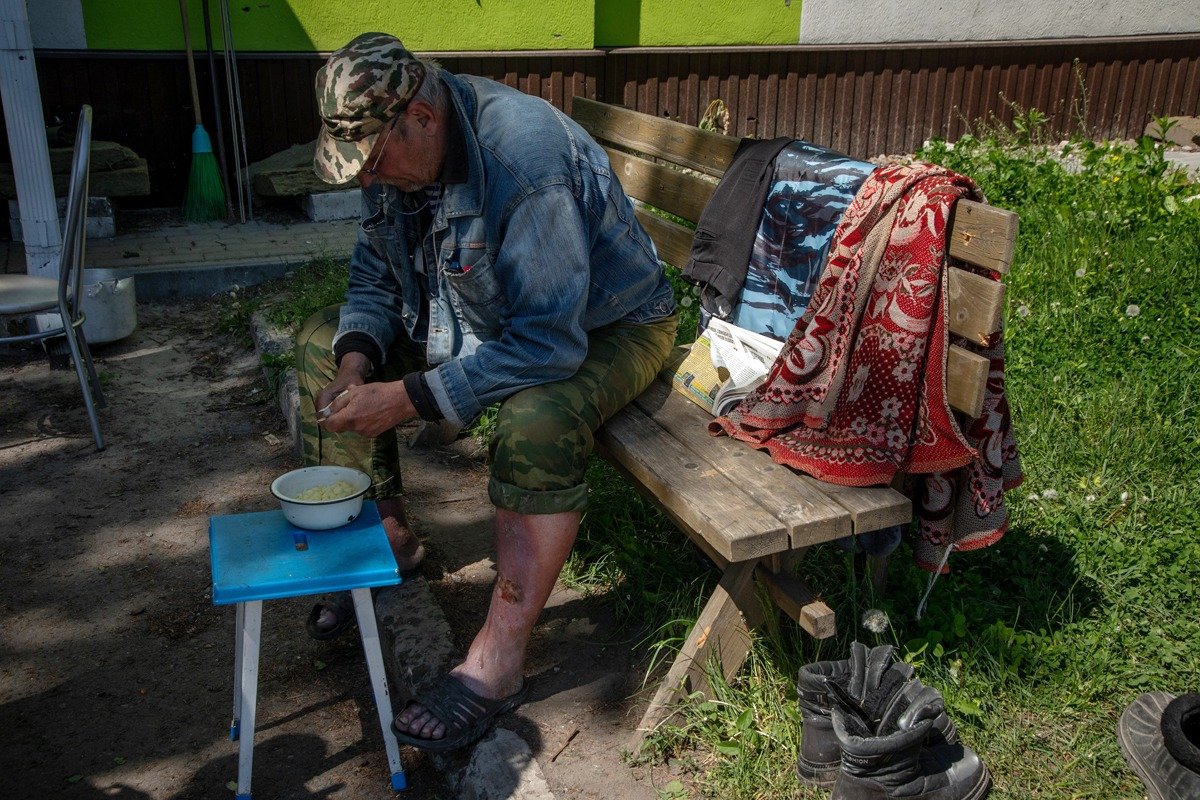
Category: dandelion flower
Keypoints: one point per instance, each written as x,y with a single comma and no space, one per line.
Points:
875,620
1023,311
1079,273
1132,310
685,301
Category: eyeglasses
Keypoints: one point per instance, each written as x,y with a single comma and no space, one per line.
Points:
371,170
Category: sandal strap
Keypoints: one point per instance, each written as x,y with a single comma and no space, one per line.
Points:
459,708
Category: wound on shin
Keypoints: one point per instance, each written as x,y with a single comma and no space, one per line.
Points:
509,591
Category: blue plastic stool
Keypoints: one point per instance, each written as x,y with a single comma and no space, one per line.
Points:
261,556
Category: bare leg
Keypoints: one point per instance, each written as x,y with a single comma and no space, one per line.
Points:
530,552
406,546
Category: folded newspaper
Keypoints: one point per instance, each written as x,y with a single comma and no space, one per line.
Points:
725,364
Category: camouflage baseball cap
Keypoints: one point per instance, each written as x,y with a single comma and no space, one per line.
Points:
360,88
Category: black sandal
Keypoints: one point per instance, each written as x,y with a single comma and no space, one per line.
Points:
465,714
342,606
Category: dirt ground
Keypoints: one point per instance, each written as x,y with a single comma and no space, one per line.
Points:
116,669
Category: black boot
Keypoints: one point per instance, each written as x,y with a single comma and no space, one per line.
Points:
894,754
1159,736
862,675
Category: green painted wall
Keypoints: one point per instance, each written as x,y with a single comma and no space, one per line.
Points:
658,23
307,25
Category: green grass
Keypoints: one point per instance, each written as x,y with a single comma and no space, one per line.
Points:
1093,596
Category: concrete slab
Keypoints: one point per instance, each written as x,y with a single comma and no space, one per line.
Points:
328,206
501,767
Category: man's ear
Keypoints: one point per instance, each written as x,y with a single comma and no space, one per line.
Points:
424,116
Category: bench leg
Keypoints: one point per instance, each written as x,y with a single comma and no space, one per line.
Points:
722,630
877,572
364,609
246,688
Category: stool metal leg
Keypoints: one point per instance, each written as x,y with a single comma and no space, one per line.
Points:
239,624
249,633
364,609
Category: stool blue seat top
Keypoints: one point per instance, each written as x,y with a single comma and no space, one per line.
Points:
262,556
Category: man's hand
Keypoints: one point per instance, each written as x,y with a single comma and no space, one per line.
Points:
368,409
353,371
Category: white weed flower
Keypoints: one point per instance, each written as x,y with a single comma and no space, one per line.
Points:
1050,494
875,620
1145,339
1132,310
1079,273
1023,311
1124,497
1091,498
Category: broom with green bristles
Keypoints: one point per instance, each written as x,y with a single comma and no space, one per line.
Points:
205,195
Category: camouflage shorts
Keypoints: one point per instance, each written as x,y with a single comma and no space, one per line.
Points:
544,434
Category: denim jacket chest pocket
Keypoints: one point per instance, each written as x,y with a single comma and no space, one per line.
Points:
475,290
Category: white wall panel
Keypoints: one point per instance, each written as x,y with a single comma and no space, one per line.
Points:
861,21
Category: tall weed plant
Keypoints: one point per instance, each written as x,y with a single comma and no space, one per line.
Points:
1093,596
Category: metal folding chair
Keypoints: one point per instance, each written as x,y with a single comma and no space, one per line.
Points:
28,295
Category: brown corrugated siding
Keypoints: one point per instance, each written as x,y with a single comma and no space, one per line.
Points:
863,100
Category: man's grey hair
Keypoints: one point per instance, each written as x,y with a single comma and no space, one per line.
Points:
433,89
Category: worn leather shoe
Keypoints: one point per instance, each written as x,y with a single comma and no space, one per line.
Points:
890,750
1159,735
867,673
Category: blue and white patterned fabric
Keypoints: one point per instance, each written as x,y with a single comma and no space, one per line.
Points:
812,188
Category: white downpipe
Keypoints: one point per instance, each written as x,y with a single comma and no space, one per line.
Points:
27,141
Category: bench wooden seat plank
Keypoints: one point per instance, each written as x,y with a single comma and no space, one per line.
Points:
809,516
690,490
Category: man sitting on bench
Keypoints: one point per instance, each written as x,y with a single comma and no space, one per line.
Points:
498,260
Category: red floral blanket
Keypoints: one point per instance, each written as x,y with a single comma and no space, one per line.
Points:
859,391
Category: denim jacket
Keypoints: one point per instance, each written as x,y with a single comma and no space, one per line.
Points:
538,247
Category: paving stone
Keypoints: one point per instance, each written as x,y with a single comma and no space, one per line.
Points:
327,206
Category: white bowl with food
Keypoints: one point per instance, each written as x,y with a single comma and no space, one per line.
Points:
321,498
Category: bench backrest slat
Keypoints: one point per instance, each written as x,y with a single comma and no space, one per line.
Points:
661,185
983,235
672,141
657,161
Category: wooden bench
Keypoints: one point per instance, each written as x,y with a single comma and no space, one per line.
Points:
751,516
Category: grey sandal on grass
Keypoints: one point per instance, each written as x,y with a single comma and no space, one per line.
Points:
465,714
